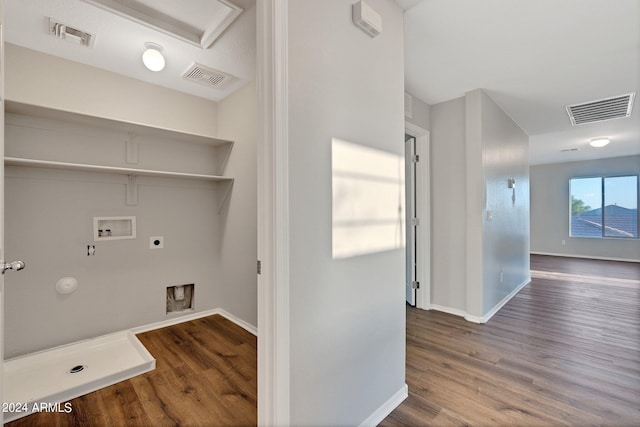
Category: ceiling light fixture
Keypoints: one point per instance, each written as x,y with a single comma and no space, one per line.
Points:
152,57
599,142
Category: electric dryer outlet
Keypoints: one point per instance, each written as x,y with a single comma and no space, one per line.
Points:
156,242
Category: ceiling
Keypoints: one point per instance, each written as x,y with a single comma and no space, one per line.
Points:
120,40
533,57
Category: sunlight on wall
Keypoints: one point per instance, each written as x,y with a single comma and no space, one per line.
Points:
368,200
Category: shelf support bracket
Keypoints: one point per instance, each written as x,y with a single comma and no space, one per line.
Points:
132,190
132,149
225,195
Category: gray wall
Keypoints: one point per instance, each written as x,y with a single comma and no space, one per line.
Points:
505,238
550,209
49,212
448,205
347,316
475,148
238,229
49,225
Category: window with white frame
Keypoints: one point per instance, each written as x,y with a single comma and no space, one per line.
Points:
605,206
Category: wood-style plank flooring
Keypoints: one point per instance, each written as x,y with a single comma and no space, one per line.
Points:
206,375
564,351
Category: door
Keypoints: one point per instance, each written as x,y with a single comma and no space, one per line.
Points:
17,265
1,206
411,218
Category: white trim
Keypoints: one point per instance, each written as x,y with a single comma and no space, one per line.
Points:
273,213
474,319
193,316
497,307
586,257
386,408
2,123
155,20
238,321
484,319
449,310
423,207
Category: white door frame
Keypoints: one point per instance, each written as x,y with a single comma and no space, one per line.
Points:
273,213
410,214
2,206
423,209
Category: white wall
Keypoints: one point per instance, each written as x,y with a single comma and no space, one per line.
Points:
347,317
420,113
238,245
49,212
35,78
550,209
448,205
475,149
505,239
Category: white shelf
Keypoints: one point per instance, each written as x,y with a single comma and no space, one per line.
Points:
14,161
113,124
132,173
70,129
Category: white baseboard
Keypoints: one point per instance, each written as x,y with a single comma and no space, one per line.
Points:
494,310
586,257
387,407
193,316
481,319
244,325
450,310
474,319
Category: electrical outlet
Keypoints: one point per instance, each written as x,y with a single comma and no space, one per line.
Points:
564,242
156,242
501,276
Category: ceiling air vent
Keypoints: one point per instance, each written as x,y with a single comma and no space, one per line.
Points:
617,107
207,76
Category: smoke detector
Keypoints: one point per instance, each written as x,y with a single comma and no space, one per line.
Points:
367,19
70,34
209,77
616,107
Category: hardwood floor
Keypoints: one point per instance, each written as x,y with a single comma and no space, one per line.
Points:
564,351
206,375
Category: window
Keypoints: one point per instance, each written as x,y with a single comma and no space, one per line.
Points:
604,207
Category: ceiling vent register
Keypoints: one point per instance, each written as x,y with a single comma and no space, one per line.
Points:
207,76
616,107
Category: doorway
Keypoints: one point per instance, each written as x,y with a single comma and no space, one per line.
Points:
418,219
410,160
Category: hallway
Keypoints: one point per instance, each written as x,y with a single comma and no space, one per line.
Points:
564,351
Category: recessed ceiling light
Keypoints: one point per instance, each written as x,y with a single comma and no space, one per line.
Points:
599,142
152,57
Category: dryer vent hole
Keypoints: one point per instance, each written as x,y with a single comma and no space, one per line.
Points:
180,298
76,369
